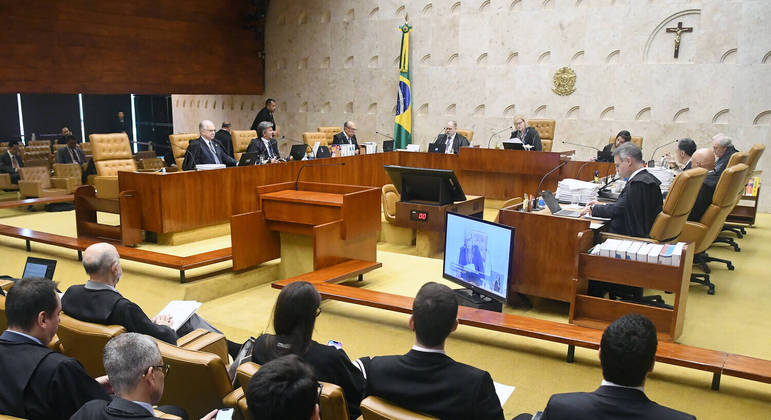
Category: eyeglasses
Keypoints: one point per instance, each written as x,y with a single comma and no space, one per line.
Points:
163,368
318,393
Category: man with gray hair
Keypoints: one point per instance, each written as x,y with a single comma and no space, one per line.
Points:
204,150
347,136
723,148
704,158
265,145
451,139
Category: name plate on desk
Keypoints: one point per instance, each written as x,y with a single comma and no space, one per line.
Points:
419,215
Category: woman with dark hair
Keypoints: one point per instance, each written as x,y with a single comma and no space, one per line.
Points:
622,137
294,318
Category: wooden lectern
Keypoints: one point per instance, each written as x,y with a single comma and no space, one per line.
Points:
343,221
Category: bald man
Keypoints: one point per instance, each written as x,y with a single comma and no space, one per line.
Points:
704,158
204,150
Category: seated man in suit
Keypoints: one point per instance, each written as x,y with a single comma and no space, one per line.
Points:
451,139
265,145
224,138
347,136
284,388
627,354
723,148
70,153
640,201
685,150
98,301
136,372
39,383
426,379
622,137
204,150
10,161
704,158
528,135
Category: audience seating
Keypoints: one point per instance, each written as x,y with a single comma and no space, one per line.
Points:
5,183
376,408
241,140
36,181
153,164
179,144
85,342
637,141
86,148
330,132
72,171
37,143
704,232
310,138
112,153
545,129
468,134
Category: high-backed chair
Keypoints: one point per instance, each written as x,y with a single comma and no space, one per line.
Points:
73,171
637,141
704,232
516,202
179,143
735,159
311,137
376,408
545,129
468,134
85,342
34,143
390,197
86,148
36,181
5,183
151,164
112,153
330,132
755,152
241,140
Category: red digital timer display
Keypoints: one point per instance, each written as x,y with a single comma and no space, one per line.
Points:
418,215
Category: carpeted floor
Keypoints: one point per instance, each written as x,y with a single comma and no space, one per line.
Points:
735,319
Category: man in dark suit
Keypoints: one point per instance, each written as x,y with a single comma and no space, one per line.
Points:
704,158
65,131
284,388
204,150
224,138
265,145
627,354
723,148
451,139
39,383
426,379
10,161
685,150
137,373
71,153
347,136
266,114
121,124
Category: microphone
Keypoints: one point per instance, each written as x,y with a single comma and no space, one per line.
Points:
297,181
384,135
580,145
605,187
538,190
496,133
651,162
582,167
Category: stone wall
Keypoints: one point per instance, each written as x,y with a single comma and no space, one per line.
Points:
481,62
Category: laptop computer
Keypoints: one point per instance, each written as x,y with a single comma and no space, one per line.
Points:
250,158
604,156
39,267
298,151
323,152
437,148
388,145
554,206
510,145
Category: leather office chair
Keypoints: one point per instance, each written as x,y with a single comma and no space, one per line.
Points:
376,408
112,153
755,152
5,183
179,143
330,132
35,143
85,342
637,141
736,158
311,137
36,181
390,197
241,140
153,164
545,129
516,202
86,148
73,171
704,232
468,134
37,156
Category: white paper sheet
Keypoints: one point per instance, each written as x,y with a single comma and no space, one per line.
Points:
503,392
180,311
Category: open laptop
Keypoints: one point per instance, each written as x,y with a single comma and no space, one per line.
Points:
298,151
248,159
437,148
388,146
511,145
554,205
39,267
604,156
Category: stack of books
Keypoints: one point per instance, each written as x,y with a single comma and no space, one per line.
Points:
668,254
586,191
665,175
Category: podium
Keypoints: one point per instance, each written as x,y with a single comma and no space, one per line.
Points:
338,221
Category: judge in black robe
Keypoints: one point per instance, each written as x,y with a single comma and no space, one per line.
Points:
529,136
637,206
223,137
265,114
199,154
723,159
39,383
704,199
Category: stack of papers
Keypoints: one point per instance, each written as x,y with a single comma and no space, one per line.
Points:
587,191
208,166
665,175
668,254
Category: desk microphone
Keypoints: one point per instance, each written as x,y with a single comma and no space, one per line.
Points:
651,162
297,181
538,190
580,145
605,187
496,133
384,135
582,167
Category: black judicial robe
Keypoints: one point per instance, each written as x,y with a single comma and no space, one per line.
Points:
339,138
608,149
608,402
458,142
721,163
39,383
225,140
108,307
118,408
636,208
530,137
687,166
704,199
263,115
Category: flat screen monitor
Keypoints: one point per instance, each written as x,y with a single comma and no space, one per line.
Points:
424,185
39,267
478,255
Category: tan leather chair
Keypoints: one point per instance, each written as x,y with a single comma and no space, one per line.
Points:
5,183
755,152
704,232
73,171
736,158
86,148
376,408
112,153
545,129
310,138
468,134
678,205
197,381
516,202
179,143
37,143
390,197
330,132
638,141
36,181
151,164
241,140
85,342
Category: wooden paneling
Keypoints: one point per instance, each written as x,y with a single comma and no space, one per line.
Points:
250,228
137,46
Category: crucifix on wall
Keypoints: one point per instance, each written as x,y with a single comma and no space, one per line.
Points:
678,31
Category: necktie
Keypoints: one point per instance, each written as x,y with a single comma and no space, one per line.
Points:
449,145
270,152
214,153
74,156
14,163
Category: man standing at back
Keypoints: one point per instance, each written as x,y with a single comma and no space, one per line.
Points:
627,354
266,114
426,379
39,383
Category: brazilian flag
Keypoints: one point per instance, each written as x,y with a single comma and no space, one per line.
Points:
403,120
